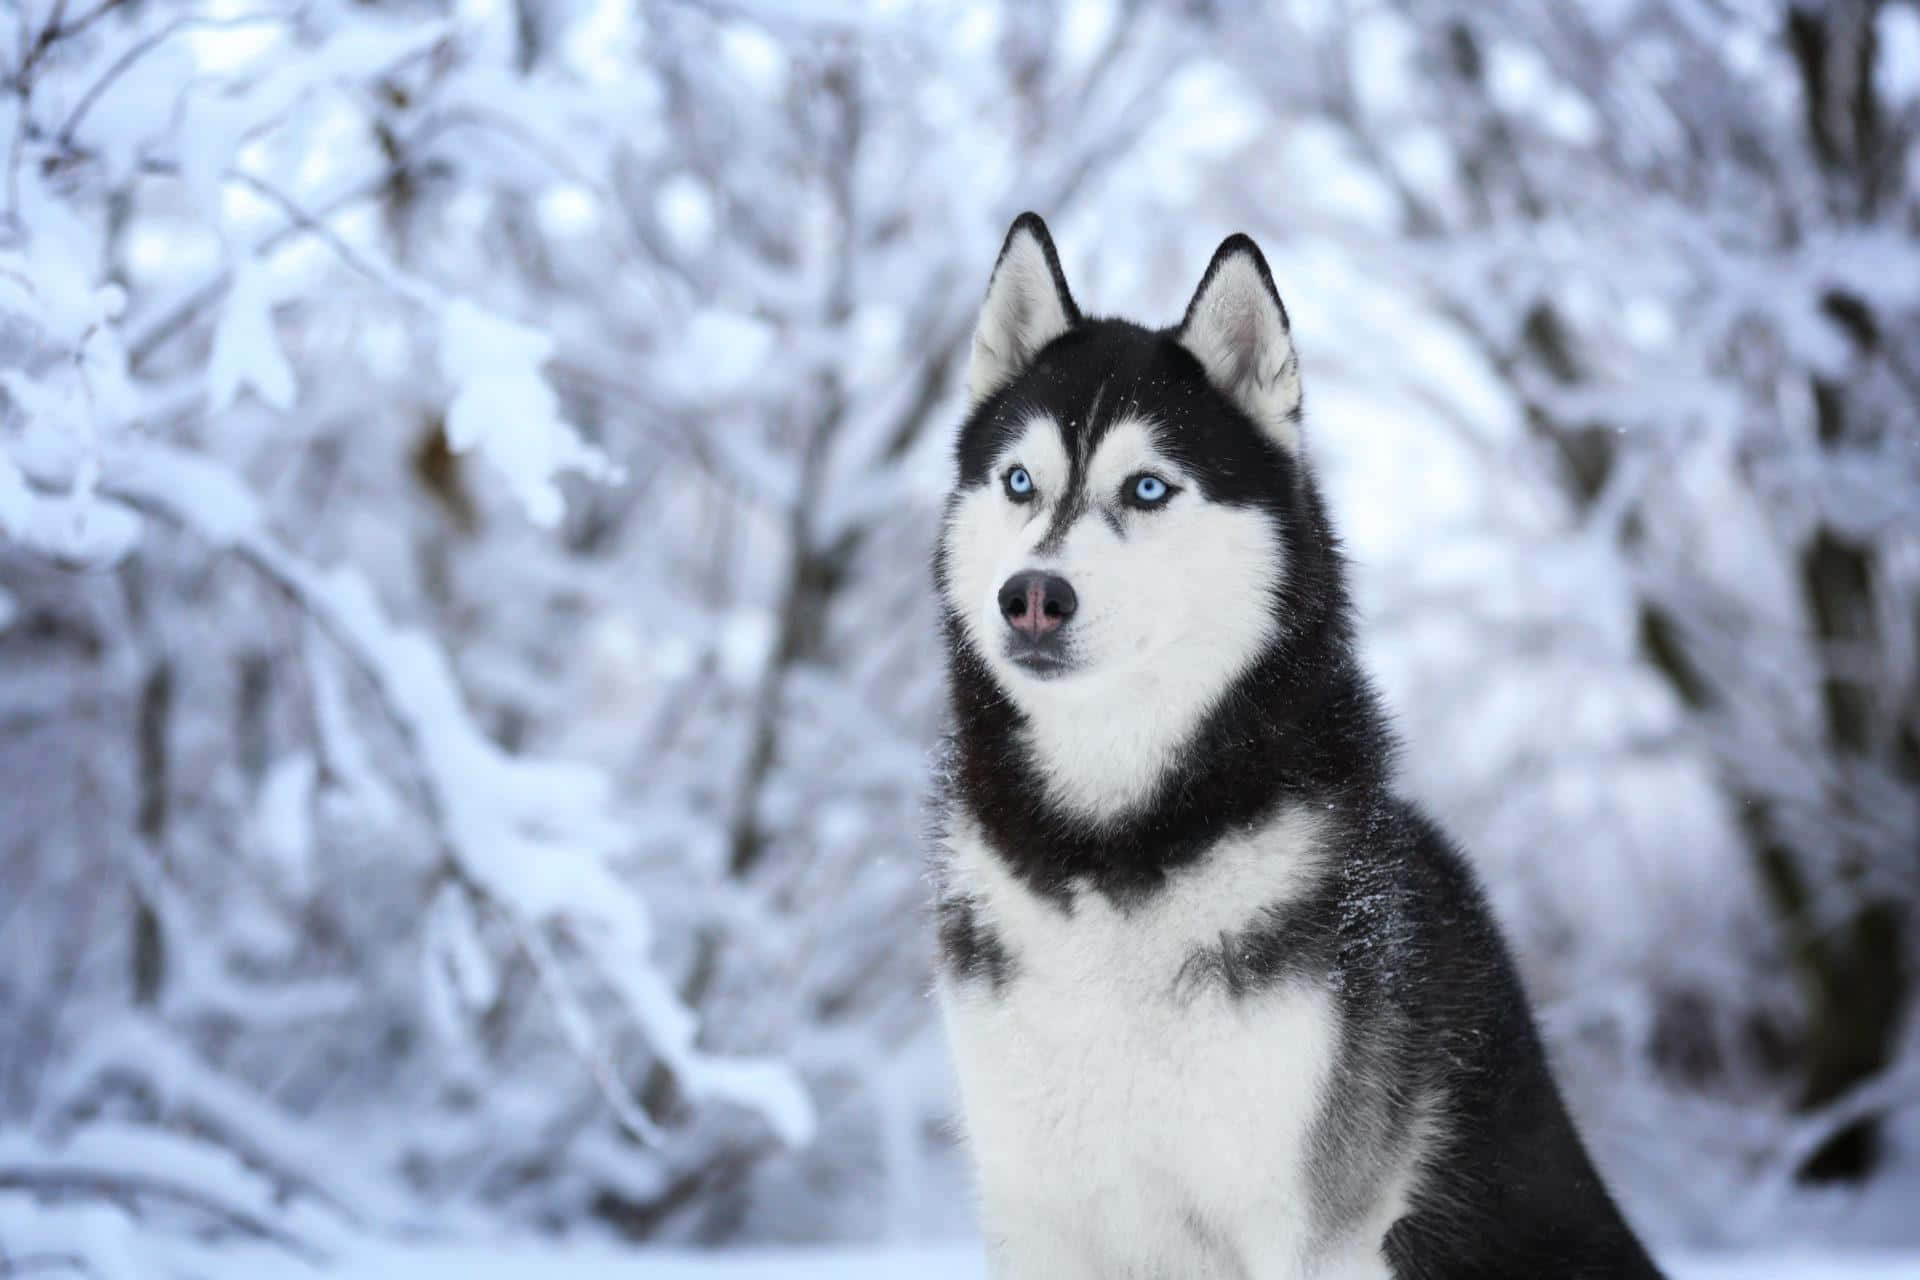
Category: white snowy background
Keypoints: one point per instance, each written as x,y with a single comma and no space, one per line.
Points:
467,666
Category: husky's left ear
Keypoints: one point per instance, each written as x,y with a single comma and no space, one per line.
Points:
1027,307
1236,326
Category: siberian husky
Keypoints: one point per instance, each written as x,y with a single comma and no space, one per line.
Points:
1221,1003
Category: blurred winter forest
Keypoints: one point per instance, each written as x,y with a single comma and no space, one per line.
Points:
467,661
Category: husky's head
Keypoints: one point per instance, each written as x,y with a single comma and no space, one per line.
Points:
1133,528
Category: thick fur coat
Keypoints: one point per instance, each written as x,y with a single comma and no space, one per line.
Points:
1221,1003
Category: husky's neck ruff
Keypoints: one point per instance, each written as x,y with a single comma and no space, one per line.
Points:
1115,773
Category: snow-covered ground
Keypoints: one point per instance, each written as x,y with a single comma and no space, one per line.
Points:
956,1262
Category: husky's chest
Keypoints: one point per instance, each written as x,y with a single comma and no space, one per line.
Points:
1135,1105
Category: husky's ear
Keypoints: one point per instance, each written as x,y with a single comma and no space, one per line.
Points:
1027,307
1236,326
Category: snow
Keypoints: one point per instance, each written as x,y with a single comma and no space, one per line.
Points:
755,56
719,351
245,351
1897,64
1799,1265
504,410
685,209
283,819
76,528
243,1122
1520,81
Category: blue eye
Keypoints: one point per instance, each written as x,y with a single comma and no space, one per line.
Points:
1019,484
1149,490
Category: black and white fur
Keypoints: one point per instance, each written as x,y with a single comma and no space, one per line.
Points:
1221,1003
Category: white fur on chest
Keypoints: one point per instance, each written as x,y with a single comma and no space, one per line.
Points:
1127,1123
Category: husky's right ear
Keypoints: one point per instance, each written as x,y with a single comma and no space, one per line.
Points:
1027,307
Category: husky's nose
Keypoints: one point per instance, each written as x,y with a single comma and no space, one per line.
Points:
1036,604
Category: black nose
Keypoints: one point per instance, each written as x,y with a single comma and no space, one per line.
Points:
1035,603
